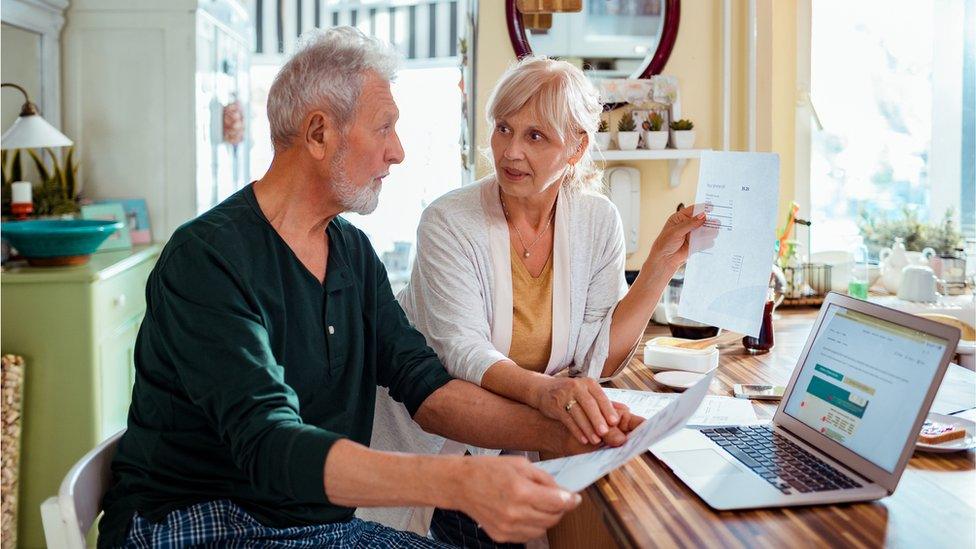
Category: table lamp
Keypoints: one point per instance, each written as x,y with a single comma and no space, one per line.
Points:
30,131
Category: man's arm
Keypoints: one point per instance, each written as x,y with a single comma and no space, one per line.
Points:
467,413
509,497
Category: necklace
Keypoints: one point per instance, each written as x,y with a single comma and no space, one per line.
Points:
525,249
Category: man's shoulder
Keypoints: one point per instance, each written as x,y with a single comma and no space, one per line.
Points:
226,231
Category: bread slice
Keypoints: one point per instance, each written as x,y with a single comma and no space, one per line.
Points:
934,432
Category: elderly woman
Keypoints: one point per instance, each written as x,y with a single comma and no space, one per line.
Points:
520,277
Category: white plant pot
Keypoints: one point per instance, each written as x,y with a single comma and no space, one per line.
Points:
627,141
602,140
684,139
656,141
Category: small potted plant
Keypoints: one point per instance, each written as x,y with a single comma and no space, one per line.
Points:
627,134
603,136
683,134
655,138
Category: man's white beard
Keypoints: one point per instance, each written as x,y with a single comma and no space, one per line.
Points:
361,199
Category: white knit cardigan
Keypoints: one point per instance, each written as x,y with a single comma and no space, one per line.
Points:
460,298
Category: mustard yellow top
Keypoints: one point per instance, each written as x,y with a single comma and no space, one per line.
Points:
531,315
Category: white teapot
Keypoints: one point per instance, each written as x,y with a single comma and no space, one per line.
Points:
894,259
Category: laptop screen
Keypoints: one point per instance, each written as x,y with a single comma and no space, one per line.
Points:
864,381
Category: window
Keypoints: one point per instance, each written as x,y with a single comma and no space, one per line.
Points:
426,91
891,82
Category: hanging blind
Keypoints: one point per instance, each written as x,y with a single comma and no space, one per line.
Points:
419,29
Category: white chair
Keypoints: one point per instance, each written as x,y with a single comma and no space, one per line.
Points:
68,516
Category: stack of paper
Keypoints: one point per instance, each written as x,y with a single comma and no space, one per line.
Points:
577,472
713,411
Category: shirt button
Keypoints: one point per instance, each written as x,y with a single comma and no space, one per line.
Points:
331,330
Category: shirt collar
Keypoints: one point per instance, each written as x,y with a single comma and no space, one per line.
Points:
338,275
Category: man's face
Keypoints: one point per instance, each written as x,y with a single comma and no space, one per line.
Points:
369,148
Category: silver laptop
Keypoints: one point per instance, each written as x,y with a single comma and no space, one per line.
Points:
846,426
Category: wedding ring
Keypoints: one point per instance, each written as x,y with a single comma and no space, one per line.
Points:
570,404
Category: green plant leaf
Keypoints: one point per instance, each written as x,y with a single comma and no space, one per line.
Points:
16,169
57,174
626,123
70,174
42,170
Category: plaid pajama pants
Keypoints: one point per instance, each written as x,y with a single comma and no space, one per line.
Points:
223,524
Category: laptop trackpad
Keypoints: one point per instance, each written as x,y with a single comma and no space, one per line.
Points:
702,463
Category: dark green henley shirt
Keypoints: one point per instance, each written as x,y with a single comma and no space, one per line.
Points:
248,369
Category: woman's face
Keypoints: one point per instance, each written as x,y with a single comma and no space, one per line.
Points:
529,158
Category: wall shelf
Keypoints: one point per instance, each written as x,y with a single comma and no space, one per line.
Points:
677,159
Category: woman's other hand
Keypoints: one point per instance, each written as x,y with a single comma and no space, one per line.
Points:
580,404
672,246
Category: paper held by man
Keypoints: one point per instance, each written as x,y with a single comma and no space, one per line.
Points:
725,285
577,472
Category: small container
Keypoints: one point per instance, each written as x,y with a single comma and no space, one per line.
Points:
765,341
860,274
661,354
682,327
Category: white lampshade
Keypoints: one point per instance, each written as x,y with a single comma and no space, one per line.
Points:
32,132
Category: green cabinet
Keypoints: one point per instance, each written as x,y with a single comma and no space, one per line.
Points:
76,328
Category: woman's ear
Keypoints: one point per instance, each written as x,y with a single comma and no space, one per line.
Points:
580,150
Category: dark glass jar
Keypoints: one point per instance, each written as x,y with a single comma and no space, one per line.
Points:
763,343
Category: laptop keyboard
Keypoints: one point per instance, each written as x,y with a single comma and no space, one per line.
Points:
778,460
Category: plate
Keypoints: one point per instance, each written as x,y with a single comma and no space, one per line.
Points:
965,443
677,380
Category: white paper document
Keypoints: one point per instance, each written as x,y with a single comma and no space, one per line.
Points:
574,473
714,410
725,285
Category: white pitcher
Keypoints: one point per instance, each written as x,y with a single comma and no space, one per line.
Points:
895,258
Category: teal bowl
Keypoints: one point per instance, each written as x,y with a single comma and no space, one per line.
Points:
46,242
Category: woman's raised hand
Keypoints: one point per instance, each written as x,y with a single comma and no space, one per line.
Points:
580,404
672,245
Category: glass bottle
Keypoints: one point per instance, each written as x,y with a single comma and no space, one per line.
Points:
860,275
763,343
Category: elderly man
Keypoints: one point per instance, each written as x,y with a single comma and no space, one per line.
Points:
269,324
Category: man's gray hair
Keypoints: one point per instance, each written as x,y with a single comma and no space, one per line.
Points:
325,73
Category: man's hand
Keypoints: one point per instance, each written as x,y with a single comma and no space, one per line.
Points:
578,403
511,499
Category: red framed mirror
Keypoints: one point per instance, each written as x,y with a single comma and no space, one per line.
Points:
637,26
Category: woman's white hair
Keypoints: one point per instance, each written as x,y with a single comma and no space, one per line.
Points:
325,73
563,98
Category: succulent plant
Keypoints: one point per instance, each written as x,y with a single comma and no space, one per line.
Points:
58,192
653,122
603,126
626,124
682,125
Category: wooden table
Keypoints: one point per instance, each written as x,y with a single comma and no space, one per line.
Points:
643,504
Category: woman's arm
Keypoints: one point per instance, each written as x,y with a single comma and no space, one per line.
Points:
588,420
669,251
632,314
